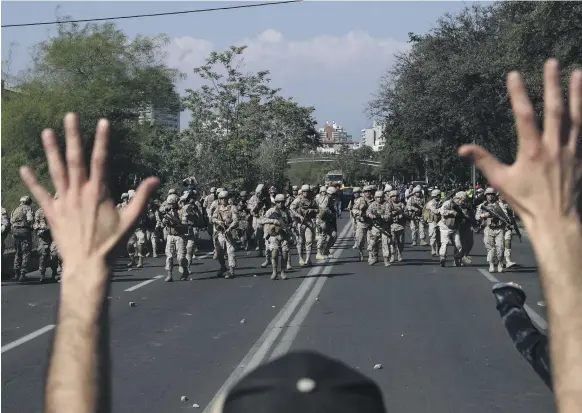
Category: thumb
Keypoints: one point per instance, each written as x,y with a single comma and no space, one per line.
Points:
493,170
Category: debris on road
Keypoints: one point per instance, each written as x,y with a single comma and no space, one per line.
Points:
378,367
243,321
195,406
316,298
132,304
184,398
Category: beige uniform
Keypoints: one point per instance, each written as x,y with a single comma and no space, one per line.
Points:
225,218
449,229
414,207
377,238
493,233
432,216
395,210
22,221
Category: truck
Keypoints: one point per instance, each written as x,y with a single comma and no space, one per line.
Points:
334,177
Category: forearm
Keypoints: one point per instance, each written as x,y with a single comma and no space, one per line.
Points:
74,376
558,246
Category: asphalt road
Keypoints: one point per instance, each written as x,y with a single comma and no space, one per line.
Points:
434,330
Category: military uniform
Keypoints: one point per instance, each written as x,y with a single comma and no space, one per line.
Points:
278,224
395,210
46,258
359,214
225,219
380,232
449,228
326,223
494,231
304,209
22,220
432,216
175,247
414,207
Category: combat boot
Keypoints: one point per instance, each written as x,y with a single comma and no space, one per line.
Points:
491,267
230,273
400,259
214,254
499,267
42,276
154,253
274,274
22,276
423,243
319,256
301,261
185,273
386,262
361,255
131,261
288,267
139,262
266,262
169,277
372,260
443,262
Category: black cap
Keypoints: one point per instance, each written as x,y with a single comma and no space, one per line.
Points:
304,382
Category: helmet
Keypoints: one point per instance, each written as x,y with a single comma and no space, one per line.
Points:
259,188
322,189
131,193
213,190
369,188
435,192
461,195
388,188
25,200
172,192
379,194
172,199
357,190
222,194
416,190
125,195
219,190
272,189
305,188
295,188
243,193
331,190
393,193
279,198
490,191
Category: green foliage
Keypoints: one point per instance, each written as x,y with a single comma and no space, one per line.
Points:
242,131
97,72
449,89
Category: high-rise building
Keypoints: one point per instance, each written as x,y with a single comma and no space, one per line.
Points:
374,136
158,116
333,137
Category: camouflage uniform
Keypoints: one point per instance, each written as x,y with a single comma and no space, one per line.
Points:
278,222
45,258
449,228
432,216
225,219
494,231
304,210
210,212
359,214
378,211
350,208
414,207
22,220
191,215
508,235
5,227
175,247
243,230
257,206
395,210
326,223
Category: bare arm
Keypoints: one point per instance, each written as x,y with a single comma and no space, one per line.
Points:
80,355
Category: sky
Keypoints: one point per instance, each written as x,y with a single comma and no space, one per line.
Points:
329,55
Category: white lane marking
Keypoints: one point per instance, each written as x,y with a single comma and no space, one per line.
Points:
135,287
295,325
536,318
261,347
27,337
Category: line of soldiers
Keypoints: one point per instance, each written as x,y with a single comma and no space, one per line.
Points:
380,216
277,222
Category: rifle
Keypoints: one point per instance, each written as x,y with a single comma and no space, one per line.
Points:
472,221
505,220
376,224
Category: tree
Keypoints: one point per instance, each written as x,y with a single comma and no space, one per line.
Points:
242,131
449,89
96,71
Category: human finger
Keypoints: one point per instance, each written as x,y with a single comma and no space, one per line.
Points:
56,167
36,189
528,134
74,152
100,151
553,106
575,110
493,170
135,207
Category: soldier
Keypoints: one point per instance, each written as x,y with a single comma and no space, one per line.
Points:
138,238
304,209
154,226
5,227
259,204
244,225
494,231
290,198
278,222
414,207
338,206
175,247
225,219
210,212
327,223
467,224
322,192
395,212
124,200
359,214
380,230
355,195
55,258
44,245
192,221
508,235
22,220
432,216
449,228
